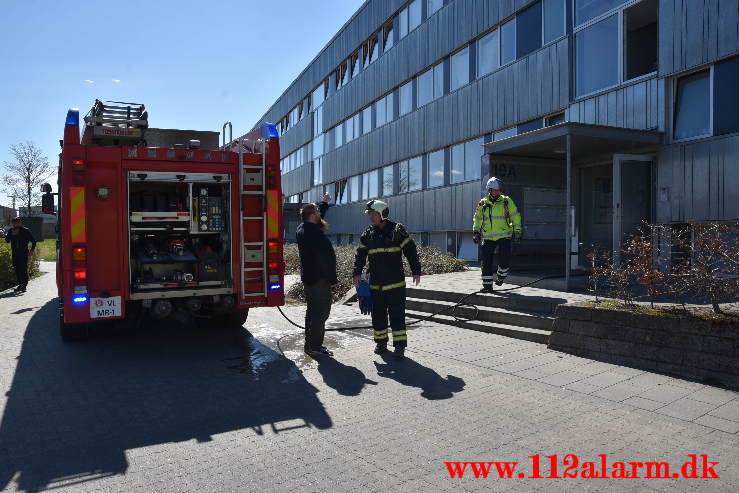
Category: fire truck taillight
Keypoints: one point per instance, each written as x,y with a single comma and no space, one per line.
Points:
79,254
78,164
80,275
272,247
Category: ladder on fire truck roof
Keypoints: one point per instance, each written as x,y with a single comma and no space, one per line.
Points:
252,176
117,114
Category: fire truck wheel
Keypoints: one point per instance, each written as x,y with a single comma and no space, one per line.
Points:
236,318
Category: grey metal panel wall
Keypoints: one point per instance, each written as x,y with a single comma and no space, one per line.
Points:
439,209
447,30
700,181
639,106
297,136
695,32
531,87
297,181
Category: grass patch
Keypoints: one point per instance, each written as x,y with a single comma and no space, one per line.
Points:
46,250
7,274
703,312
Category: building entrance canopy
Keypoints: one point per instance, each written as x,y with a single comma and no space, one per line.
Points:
578,143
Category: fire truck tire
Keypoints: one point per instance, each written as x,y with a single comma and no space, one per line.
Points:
236,318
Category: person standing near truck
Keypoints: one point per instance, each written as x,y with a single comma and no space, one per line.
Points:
19,237
318,273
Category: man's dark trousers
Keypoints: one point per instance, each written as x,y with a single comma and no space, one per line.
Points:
504,260
318,299
389,303
20,265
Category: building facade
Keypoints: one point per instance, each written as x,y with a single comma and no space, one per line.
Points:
596,114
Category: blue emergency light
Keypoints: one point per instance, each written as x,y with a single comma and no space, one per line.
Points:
274,287
269,131
79,299
73,117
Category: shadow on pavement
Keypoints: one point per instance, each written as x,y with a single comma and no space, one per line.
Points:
73,410
347,380
413,374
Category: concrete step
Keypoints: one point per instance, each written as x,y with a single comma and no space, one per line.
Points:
523,333
507,300
528,319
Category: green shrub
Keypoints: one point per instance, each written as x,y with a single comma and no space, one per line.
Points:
7,274
433,261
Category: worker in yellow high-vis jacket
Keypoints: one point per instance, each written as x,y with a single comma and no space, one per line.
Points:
495,223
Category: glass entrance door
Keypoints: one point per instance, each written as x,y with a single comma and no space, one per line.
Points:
632,197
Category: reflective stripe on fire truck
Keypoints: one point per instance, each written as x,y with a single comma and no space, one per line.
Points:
272,215
77,214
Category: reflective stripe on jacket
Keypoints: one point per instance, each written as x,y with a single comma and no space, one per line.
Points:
490,218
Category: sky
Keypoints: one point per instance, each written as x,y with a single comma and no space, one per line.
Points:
193,64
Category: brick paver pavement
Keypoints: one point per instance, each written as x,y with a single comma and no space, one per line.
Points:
174,408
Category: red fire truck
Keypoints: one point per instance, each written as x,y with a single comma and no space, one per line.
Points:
155,223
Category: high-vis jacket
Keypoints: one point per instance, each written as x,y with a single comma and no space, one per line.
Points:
496,218
385,248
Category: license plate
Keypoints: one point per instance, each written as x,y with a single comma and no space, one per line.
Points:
105,307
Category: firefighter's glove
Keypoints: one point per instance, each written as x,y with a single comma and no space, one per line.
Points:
365,297
476,237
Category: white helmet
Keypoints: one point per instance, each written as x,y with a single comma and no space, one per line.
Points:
495,183
378,206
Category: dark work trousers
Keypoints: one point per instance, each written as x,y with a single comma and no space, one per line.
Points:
504,260
318,301
389,303
20,265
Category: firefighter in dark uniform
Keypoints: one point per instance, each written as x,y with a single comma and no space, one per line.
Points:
384,243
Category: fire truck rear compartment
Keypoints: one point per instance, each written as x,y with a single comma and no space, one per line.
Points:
180,242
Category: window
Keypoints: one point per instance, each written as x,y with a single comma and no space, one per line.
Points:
641,39
369,184
529,126
317,171
693,106
460,69
356,64
430,85
406,98
457,164
384,110
317,121
415,174
342,193
338,136
554,20
425,87
318,146
402,176
488,53
472,159
414,15
403,23
436,169
508,42
434,5
387,181
505,133
387,37
319,95
381,112
586,10
555,119
528,30
725,82
353,189
374,49
596,56
349,129
367,120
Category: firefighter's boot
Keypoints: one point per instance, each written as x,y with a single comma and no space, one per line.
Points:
399,352
381,348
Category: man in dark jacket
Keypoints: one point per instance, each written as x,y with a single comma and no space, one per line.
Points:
19,237
318,273
385,243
